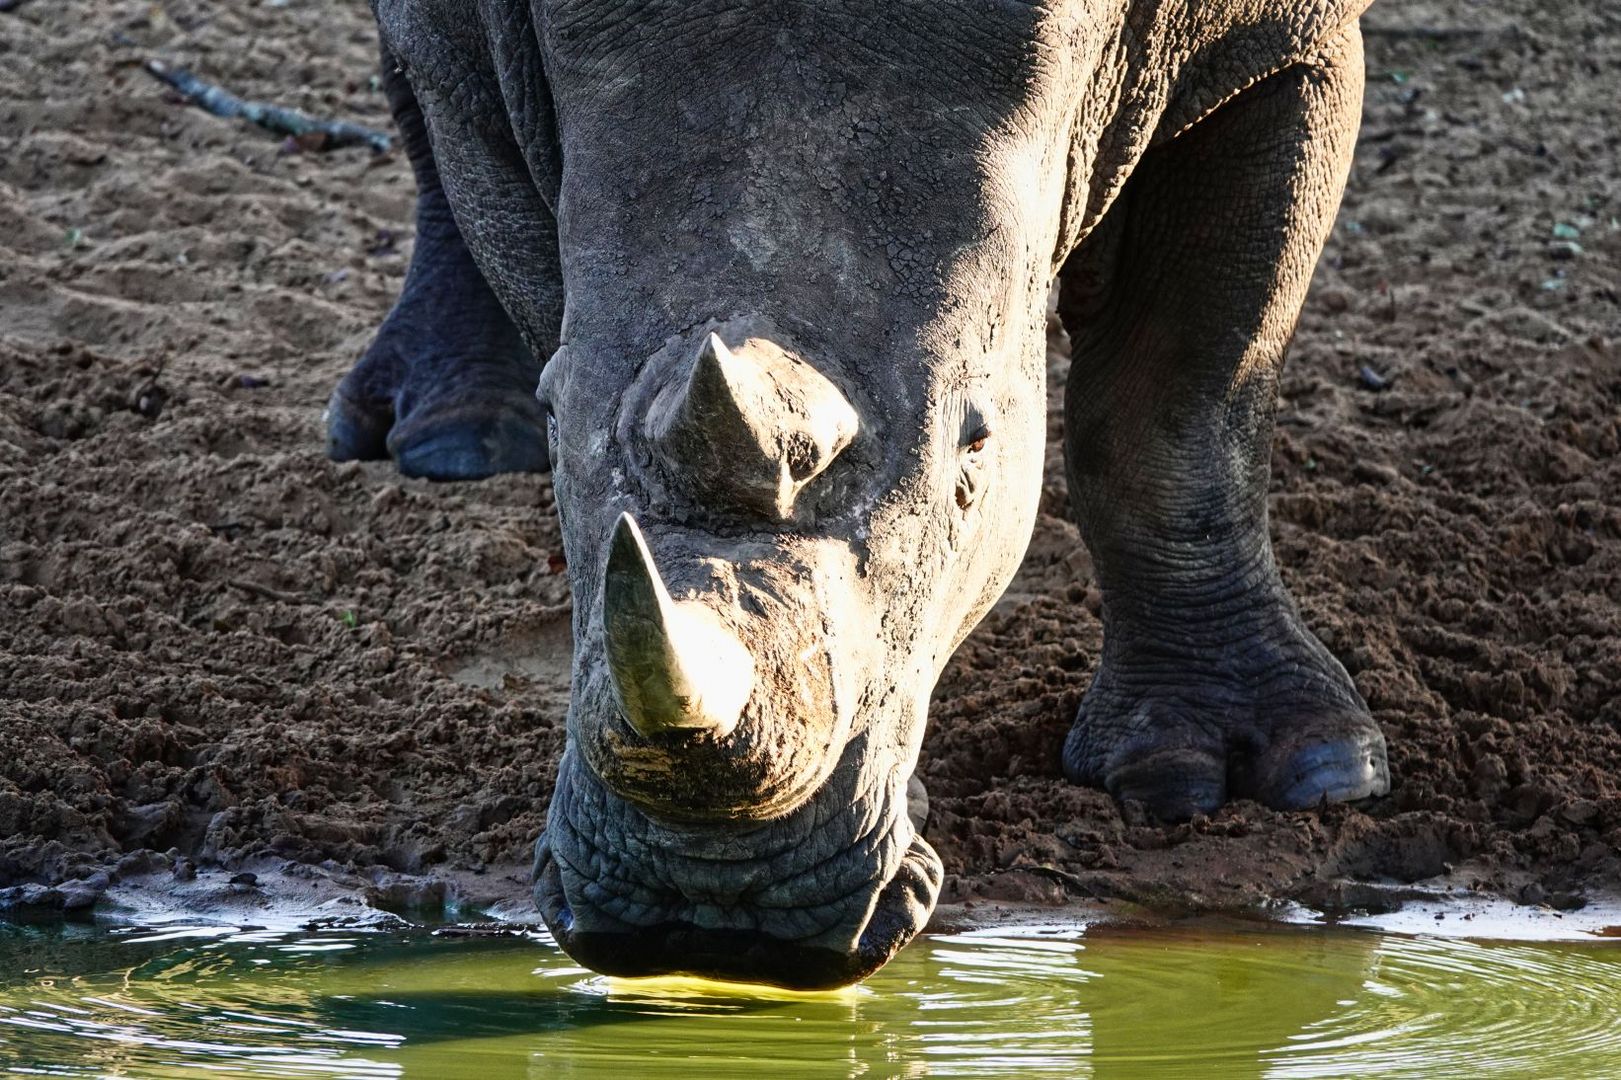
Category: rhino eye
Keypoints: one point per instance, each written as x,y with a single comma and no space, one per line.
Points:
970,477
551,437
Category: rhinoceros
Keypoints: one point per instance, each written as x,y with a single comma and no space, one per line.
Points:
781,272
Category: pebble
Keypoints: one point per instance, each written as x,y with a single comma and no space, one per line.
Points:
1371,378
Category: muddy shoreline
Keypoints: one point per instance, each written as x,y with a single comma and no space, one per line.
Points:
220,651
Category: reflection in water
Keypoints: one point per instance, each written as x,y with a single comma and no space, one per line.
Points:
1107,1002
1176,1006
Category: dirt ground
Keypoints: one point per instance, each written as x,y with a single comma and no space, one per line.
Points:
217,645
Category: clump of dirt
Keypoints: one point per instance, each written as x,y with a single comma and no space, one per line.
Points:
217,645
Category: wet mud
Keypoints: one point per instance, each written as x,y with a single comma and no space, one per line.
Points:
220,651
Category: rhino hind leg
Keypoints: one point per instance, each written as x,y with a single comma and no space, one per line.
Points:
1180,305
447,387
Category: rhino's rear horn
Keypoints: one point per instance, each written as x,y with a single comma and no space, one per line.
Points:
755,424
674,667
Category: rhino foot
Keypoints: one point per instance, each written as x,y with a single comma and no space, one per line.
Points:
444,403
447,389
1183,734
483,427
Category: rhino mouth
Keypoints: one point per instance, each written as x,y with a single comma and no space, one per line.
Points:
816,944
681,948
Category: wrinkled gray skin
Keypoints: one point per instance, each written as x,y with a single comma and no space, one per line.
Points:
875,196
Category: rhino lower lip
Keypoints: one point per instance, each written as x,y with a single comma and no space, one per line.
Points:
678,948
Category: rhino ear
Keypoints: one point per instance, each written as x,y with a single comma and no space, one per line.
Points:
754,424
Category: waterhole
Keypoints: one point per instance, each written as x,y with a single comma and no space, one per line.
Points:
1105,1001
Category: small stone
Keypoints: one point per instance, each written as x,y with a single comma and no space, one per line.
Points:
1374,473
245,878
1579,811
30,898
136,863
149,400
1372,379
388,495
1491,774
1335,301
1594,854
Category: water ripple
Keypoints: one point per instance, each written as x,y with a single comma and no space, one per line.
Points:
1058,1001
1440,1007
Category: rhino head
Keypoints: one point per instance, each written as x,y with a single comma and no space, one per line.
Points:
797,424
774,548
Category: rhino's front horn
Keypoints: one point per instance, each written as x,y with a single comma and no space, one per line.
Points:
756,424
675,667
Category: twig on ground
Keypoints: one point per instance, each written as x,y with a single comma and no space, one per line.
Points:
311,133
266,592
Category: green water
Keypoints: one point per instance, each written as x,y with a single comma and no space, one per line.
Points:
1105,1001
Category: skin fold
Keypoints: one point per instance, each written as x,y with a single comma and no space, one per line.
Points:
788,265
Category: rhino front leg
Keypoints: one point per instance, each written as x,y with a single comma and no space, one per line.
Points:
447,388
1180,306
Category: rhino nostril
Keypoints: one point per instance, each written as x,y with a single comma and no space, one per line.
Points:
805,458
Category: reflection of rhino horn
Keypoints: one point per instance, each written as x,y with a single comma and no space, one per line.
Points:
756,424
675,667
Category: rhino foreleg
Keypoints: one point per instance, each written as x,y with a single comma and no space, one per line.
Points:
447,388
1210,686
